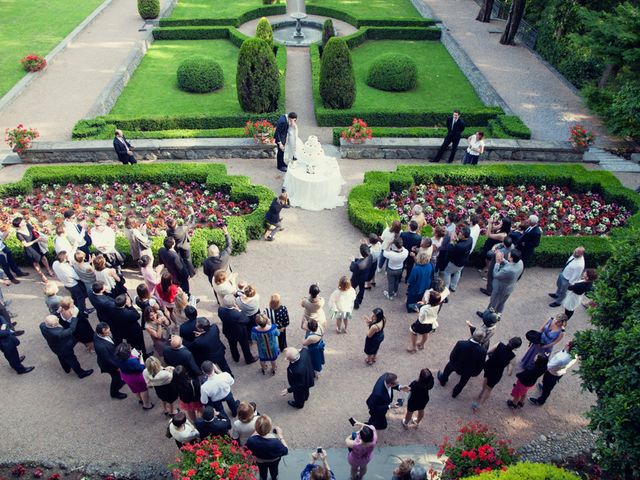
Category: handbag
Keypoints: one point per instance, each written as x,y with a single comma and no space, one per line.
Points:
534,337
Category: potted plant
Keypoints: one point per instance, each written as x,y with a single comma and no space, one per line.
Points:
358,132
33,63
20,138
580,137
261,130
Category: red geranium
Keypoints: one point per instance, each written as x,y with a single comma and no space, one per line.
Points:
33,63
357,132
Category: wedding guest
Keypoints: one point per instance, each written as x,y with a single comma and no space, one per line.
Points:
417,215
62,243
361,448
125,323
442,259
341,304
315,344
123,148
160,379
151,276
182,430
418,398
556,368
208,346
375,250
176,354
218,260
69,278
212,423
182,239
76,231
437,241
551,333
360,270
490,320
268,446
419,281
475,149
7,261
103,304
426,248
299,375
139,242
403,470
103,238
9,346
455,126
388,236
499,357
180,304
144,300
458,258
176,266
84,270
318,472
395,255
234,328
467,360
526,379
577,291
313,306
34,251
188,328
166,291
113,283
244,426
505,247
426,323
506,273
530,239
279,316
474,222
52,299
381,399
131,368
249,302
498,229
217,388
569,275
105,349
188,389
273,218
83,332
224,283
375,334
61,342
411,240
157,326
264,334
437,286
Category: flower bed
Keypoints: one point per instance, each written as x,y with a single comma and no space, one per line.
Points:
157,190
561,212
571,180
216,458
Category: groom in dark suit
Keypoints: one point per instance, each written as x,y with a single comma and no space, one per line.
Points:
280,136
381,399
455,127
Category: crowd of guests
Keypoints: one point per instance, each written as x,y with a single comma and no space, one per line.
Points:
187,365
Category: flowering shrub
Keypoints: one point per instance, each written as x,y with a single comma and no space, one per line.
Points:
151,203
580,137
357,132
560,211
20,138
33,63
259,128
474,451
217,458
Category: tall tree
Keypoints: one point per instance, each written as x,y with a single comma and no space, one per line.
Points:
484,15
516,12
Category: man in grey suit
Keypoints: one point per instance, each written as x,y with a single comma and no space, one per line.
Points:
505,275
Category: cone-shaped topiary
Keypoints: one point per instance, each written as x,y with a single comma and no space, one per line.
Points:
149,8
337,80
327,31
199,74
264,31
257,77
393,72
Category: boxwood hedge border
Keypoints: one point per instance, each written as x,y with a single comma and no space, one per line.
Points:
264,11
213,175
552,251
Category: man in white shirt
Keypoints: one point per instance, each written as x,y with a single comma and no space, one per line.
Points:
103,238
76,231
69,278
556,368
217,388
570,274
62,243
396,254
475,231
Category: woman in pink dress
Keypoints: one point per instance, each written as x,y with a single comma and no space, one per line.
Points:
361,445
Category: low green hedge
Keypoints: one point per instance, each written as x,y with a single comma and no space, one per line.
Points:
553,250
207,32
346,17
263,11
392,33
411,132
513,126
241,229
527,471
106,133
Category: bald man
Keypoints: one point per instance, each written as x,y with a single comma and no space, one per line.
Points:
61,342
300,375
569,275
177,354
123,149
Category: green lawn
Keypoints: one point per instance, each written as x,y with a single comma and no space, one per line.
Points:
371,9
213,8
35,26
153,90
441,84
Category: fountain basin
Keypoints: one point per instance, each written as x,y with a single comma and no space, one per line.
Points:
284,33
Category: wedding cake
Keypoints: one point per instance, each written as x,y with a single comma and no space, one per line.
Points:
312,152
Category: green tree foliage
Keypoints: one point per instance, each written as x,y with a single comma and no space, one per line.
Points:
264,31
527,471
199,74
393,72
337,79
610,359
328,31
149,8
257,77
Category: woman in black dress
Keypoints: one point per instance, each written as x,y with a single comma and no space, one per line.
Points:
34,252
272,217
500,357
418,398
375,335
497,230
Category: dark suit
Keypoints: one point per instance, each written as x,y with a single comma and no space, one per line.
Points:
121,150
528,242
176,266
378,403
104,306
409,241
360,270
217,427
454,132
61,342
280,136
208,346
105,353
300,375
188,330
467,360
181,356
126,326
183,245
234,328
9,346
221,262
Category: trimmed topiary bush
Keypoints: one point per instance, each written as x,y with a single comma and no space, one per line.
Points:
264,31
257,78
393,73
198,74
337,79
328,31
149,8
527,471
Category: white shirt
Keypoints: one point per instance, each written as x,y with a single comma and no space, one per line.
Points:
475,233
62,244
475,145
429,315
560,363
65,273
72,233
217,387
105,240
342,301
374,251
242,431
187,433
387,238
573,269
396,259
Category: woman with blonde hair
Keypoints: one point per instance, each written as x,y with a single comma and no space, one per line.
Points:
264,334
159,378
388,236
418,217
52,299
268,446
113,283
245,425
279,316
180,302
341,304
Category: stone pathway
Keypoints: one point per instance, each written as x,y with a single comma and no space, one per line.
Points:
611,162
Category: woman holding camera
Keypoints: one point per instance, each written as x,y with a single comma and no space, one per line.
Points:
361,445
268,446
318,472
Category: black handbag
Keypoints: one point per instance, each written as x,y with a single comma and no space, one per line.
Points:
534,337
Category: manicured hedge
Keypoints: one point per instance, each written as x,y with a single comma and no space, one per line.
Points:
410,132
527,471
552,251
213,175
345,17
513,126
392,33
234,35
263,11
106,133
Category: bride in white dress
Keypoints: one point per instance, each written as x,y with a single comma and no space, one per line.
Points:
292,146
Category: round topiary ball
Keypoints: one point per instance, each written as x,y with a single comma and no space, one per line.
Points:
149,8
198,74
393,73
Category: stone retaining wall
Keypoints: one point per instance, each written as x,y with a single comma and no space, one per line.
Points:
174,149
495,150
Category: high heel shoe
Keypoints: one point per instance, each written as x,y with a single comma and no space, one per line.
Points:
273,371
262,370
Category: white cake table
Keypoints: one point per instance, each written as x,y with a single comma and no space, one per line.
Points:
317,191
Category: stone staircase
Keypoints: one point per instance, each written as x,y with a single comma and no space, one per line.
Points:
609,161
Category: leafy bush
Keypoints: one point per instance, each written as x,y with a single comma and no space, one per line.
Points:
199,74
610,359
215,458
264,31
149,8
258,78
527,471
393,73
337,79
328,31
624,114
513,126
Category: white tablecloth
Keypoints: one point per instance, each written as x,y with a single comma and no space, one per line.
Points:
314,191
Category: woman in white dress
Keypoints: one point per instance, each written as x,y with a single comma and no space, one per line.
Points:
293,141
